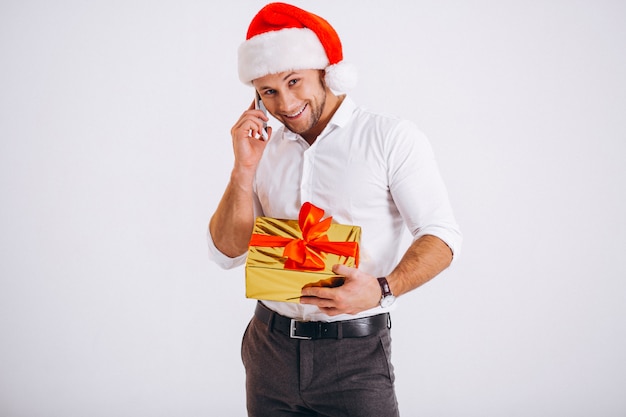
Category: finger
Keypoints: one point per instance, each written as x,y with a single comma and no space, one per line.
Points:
308,300
318,292
341,269
249,126
263,133
259,133
252,114
258,114
318,302
259,128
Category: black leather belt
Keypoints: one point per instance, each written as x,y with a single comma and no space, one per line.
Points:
362,327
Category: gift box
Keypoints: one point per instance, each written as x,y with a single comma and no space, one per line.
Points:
286,255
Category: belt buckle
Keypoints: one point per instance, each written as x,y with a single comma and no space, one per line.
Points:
292,331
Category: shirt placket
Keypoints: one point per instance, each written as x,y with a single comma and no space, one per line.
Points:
308,166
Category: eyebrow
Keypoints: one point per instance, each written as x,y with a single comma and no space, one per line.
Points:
284,79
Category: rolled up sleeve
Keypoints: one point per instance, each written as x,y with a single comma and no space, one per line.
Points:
224,261
419,190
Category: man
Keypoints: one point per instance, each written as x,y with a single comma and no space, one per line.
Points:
328,355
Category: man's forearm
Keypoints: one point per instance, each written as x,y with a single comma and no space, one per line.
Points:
232,223
424,260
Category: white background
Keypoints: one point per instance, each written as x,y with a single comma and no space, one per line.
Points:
115,149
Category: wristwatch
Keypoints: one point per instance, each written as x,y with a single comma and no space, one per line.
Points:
387,297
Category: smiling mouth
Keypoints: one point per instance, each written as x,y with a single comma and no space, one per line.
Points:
296,114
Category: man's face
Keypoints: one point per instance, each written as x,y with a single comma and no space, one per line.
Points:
295,98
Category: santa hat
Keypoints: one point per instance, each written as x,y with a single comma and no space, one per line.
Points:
282,37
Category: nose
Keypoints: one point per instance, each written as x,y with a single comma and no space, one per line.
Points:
288,103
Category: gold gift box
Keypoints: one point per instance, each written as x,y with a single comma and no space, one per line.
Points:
266,275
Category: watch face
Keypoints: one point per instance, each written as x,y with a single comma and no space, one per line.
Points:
387,301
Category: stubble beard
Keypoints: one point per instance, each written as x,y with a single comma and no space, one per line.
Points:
316,115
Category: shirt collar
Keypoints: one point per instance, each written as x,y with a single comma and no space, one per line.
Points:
344,113
340,118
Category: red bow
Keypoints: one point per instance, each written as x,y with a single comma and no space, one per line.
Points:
306,253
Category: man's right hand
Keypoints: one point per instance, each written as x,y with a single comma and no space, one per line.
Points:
247,143
231,224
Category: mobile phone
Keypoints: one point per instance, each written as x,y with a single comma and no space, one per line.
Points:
258,104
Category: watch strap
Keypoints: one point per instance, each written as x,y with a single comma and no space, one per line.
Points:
384,287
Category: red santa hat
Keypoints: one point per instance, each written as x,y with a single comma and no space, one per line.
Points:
282,37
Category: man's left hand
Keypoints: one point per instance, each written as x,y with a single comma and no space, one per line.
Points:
359,292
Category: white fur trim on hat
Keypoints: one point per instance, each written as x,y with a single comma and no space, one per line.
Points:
278,51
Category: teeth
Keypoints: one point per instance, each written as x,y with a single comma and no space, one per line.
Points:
296,114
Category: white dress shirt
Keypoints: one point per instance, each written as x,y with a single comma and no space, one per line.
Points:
377,172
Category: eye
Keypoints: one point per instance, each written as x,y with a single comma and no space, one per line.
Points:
269,92
293,82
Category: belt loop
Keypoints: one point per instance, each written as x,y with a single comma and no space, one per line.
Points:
388,321
270,323
270,320
339,330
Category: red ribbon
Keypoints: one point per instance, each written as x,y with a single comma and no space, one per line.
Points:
307,253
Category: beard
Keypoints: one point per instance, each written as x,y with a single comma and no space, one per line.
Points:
316,109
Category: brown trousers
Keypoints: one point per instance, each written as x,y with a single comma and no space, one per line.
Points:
351,377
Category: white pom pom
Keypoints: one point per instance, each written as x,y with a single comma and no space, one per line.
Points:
341,77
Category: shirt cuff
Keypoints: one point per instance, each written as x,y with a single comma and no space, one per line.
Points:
451,236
